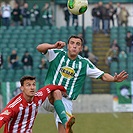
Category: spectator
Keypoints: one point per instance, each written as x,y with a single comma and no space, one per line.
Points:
26,15
1,60
124,14
75,20
43,64
112,55
87,54
101,9
96,20
118,9
106,19
129,40
6,14
114,42
67,16
122,56
27,61
16,15
112,12
47,14
13,60
0,13
34,14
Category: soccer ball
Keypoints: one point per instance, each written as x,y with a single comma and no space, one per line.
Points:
77,7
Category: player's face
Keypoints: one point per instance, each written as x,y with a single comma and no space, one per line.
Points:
29,89
74,47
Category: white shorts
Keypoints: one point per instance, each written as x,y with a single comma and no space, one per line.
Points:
50,108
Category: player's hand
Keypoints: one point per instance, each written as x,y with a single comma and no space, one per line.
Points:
59,44
120,77
64,94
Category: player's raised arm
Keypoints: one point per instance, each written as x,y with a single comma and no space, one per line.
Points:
117,78
45,46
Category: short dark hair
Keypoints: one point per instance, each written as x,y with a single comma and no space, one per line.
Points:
78,37
27,77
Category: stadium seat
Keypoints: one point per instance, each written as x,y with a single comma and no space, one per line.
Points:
22,36
113,67
12,45
114,30
122,65
30,36
79,29
38,41
21,41
13,41
37,27
45,28
28,72
19,45
12,28
87,88
20,27
113,88
15,36
8,36
4,40
28,28
39,36
88,30
3,28
10,75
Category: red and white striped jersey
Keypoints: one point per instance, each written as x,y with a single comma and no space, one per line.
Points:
19,115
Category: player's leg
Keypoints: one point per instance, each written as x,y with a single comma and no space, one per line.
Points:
54,103
67,128
59,106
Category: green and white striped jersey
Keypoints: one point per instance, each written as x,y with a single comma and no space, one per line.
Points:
69,73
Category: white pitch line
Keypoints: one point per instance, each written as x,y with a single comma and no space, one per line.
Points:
115,115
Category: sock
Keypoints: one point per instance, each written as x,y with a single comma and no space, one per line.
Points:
60,110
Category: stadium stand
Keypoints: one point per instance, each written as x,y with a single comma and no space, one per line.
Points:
23,38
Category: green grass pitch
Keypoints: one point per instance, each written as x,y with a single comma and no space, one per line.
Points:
88,123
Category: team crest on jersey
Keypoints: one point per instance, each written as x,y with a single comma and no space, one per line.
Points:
6,112
67,72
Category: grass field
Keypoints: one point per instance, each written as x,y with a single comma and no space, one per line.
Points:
88,123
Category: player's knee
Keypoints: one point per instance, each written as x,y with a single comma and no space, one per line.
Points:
57,94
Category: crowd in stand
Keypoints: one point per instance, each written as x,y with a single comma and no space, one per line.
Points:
105,15
25,62
23,15
115,52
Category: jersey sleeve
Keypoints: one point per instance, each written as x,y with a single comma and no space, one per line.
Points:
46,90
51,54
93,71
5,116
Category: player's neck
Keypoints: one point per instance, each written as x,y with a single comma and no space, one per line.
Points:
28,98
72,57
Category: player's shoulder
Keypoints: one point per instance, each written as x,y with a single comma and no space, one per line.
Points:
15,101
57,50
83,59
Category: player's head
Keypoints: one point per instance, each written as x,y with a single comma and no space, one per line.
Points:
76,37
24,78
28,86
75,46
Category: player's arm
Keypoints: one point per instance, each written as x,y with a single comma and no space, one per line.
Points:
5,116
45,46
117,78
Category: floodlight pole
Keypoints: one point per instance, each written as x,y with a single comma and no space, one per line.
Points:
83,30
